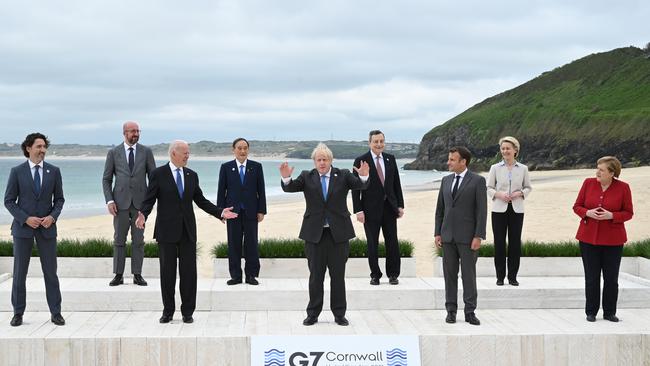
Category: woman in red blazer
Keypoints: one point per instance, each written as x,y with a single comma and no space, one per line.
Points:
603,204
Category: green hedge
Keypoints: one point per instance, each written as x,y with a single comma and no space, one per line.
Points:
295,248
82,248
564,249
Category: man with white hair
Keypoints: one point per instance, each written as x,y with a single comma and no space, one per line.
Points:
175,187
326,227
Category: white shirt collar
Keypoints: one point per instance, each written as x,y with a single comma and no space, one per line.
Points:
240,164
326,174
126,147
174,167
503,163
374,157
462,175
32,165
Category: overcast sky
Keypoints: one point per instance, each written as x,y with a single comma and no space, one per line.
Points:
282,70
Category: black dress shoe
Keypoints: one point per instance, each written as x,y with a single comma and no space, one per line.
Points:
117,280
340,320
166,318
451,317
17,320
611,318
310,320
499,282
591,318
472,319
374,281
233,281
252,281
138,280
188,319
58,319
393,280
513,282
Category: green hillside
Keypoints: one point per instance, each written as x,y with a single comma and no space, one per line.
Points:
565,118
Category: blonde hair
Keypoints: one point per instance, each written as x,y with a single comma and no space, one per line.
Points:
321,148
511,140
612,164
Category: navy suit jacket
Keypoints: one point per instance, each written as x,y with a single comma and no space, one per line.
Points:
22,202
232,193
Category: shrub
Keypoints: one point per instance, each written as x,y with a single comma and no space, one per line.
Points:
82,248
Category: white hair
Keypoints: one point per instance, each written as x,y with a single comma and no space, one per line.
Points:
174,144
321,148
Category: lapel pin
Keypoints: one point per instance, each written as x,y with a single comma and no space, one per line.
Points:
336,175
233,169
47,171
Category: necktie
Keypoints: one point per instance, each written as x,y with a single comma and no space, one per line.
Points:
323,184
179,182
455,189
37,180
380,171
242,174
131,162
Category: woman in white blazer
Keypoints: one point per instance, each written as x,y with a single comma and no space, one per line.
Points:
507,186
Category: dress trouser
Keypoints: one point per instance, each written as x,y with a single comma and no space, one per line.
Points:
321,256
185,252
47,255
510,223
243,229
597,258
122,223
388,225
452,254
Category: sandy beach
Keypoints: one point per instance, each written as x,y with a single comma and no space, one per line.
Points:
549,216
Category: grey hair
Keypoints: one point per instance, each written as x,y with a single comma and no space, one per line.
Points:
174,144
321,148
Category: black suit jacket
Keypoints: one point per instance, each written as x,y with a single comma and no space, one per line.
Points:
173,212
232,192
335,208
371,200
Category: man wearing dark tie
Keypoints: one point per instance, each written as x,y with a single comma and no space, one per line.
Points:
130,163
326,227
461,213
379,207
34,197
241,185
175,187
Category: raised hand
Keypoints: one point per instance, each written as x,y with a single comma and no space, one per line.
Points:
139,222
363,170
285,170
228,214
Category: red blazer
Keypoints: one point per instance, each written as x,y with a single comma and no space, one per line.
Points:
617,199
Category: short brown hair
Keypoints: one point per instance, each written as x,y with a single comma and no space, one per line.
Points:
31,139
612,164
463,152
374,132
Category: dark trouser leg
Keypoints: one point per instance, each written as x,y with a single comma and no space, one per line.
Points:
611,262
235,234
389,228
317,262
22,255
499,227
187,271
251,250
450,269
121,225
47,254
515,223
168,253
137,243
591,261
337,257
372,237
468,259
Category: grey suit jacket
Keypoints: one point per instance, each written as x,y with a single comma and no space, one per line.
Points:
130,188
461,219
22,202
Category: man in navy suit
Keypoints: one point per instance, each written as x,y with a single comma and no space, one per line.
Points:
34,197
241,185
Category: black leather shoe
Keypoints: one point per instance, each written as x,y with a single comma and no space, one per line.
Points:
17,320
58,319
233,281
451,317
513,282
166,318
117,280
340,320
188,319
310,320
472,319
374,281
138,280
393,280
591,318
252,281
611,318
499,282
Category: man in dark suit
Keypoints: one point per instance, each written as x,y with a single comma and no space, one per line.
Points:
379,207
241,185
130,163
461,213
34,197
175,187
326,227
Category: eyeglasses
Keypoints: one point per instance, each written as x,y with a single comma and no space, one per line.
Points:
133,131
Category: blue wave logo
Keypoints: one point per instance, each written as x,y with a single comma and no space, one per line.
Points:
274,357
396,357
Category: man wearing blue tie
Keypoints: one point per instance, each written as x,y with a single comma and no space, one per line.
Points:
241,185
34,197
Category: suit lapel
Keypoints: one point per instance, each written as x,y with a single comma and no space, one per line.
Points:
464,183
139,159
315,177
334,176
172,176
189,183
26,175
